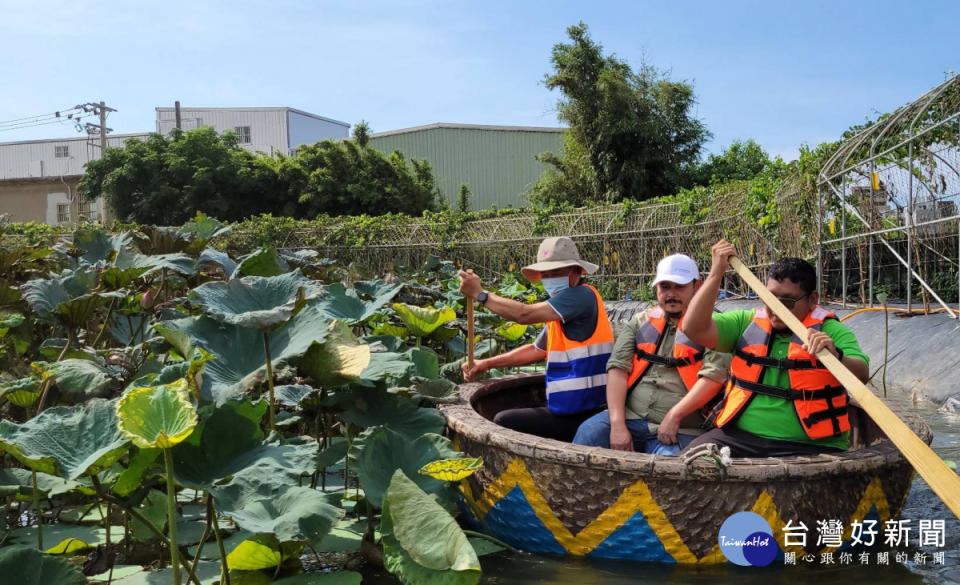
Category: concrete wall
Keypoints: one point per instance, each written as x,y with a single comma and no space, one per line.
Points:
36,201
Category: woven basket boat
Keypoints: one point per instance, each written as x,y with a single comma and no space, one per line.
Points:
546,496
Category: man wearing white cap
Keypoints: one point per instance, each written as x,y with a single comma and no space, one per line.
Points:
576,341
657,378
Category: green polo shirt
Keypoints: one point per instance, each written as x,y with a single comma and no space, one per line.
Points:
768,416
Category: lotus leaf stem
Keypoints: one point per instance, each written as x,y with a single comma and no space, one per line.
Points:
206,531
36,511
172,516
224,569
113,303
492,539
266,352
49,381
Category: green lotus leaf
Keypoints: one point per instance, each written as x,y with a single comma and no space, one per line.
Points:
333,454
482,348
253,554
239,352
68,441
52,348
161,240
19,482
129,329
210,550
346,304
256,302
211,257
385,343
483,547
26,565
379,451
65,538
177,262
291,394
296,514
422,543
157,416
436,391
422,321
444,333
398,368
153,509
22,392
339,359
203,227
79,379
9,295
207,572
114,278
261,262
86,514
393,330
334,578
374,407
229,443
131,477
512,331
97,246
67,295
178,339
117,572
10,320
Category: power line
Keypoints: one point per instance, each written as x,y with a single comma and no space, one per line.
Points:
66,113
62,121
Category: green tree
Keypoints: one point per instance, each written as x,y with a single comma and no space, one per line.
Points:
739,161
344,178
463,201
635,128
165,181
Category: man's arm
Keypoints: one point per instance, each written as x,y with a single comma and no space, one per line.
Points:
508,308
620,437
698,319
700,394
521,356
817,340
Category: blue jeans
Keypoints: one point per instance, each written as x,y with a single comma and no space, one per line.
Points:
595,432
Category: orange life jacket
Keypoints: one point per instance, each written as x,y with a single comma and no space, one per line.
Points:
576,374
819,399
687,355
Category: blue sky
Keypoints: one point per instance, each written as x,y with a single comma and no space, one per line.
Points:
781,73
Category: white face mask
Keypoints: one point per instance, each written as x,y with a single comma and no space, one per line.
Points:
556,284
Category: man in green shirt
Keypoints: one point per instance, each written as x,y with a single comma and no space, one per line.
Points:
642,389
780,400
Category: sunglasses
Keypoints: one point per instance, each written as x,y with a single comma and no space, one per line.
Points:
790,303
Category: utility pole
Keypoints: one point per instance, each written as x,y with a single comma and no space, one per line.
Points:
176,109
99,109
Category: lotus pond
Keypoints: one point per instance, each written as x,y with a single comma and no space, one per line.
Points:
268,418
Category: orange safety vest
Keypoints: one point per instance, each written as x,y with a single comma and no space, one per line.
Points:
687,354
818,397
576,372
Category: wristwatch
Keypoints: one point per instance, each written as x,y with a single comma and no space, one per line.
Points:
482,297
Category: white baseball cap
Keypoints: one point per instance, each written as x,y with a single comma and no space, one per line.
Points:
677,268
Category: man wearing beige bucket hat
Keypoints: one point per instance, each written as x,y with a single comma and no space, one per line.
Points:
576,341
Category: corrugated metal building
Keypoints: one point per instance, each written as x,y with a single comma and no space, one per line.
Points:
38,178
268,130
497,163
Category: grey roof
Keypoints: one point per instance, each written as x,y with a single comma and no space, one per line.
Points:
548,129
255,109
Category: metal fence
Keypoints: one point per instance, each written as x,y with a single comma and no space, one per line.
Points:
890,197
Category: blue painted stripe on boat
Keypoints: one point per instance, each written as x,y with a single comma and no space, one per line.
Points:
635,541
513,521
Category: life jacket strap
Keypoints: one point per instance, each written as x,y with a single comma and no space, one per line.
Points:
779,363
670,362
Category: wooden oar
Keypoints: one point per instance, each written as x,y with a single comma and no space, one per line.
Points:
942,480
470,332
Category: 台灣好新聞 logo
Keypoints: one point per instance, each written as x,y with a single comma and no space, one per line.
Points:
745,539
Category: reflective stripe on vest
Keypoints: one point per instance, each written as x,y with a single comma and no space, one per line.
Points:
577,370
687,355
818,397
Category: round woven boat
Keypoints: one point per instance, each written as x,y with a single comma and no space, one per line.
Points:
546,496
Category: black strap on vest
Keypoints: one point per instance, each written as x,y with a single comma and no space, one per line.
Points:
779,363
825,393
670,362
